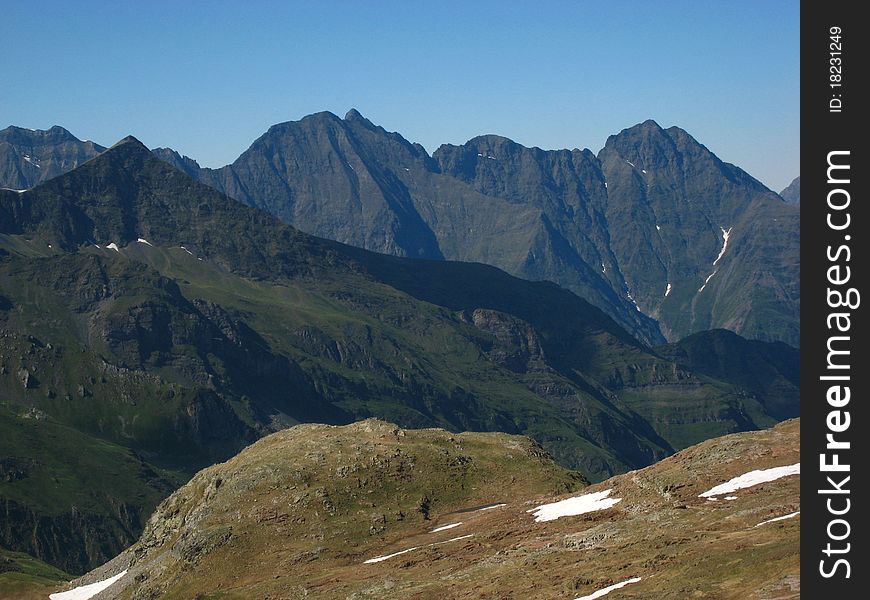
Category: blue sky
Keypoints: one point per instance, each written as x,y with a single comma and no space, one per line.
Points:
207,78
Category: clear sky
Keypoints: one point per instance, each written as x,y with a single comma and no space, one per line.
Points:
207,78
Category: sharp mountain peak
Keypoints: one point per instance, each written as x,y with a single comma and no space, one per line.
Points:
130,141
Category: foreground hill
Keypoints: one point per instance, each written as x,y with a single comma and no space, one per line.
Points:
150,312
372,510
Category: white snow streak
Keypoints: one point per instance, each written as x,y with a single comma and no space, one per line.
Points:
83,592
603,268
752,478
731,497
658,228
668,291
13,190
30,160
782,518
456,539
378,559
400,552
144,241
490,507
643,170
608,589
186,250
445,527
605,184
577,505
725,236
631,163
709,277
113,246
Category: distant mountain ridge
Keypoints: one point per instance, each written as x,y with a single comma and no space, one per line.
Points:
638,230
29,157
171,325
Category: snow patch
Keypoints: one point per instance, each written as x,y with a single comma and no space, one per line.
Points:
630,297
643,170
378,559
752,478
144,241
725,236
577,505
113,246
603,268
605,184
658,228
490,507
83,592
445,527
13,190
782,518
31,161
668,291
608,589
731,497
186,250
456,539
709,277
631,163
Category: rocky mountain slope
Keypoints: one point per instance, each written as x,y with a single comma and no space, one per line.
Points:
149,312
639,230
372,510
792,193
29,157
655,230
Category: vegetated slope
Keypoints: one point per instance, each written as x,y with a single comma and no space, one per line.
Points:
146,309
372,510
23,577
29,157
70,498
770,372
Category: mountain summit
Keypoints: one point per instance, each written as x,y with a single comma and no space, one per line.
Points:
31,156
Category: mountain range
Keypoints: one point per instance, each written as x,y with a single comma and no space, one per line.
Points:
151,326
654,230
